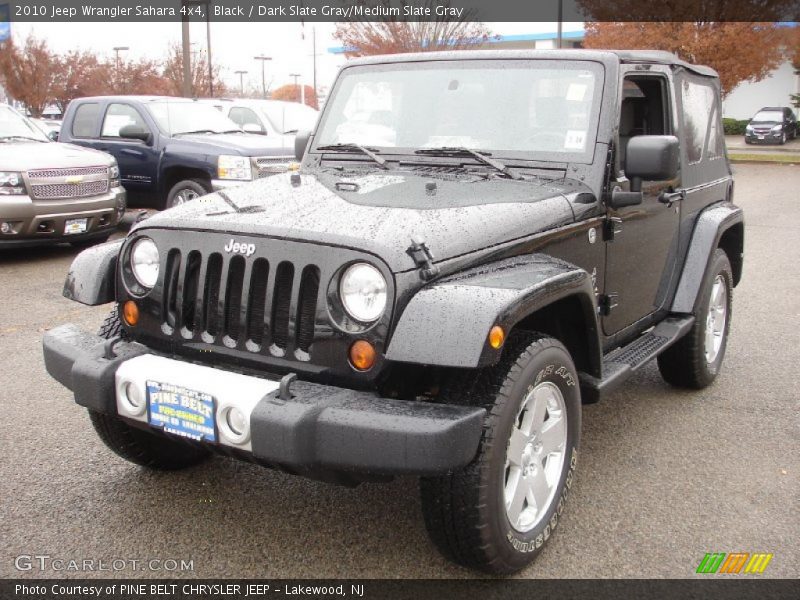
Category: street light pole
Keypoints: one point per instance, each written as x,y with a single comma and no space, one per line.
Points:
187,57
263,60
296,76
117,50
241,75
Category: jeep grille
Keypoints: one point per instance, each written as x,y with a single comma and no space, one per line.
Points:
228,300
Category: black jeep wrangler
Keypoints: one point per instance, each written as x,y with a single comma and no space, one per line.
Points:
476,244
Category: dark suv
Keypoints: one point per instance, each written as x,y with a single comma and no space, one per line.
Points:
771,125
169,150
490,241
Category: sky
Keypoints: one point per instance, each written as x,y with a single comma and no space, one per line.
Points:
233,45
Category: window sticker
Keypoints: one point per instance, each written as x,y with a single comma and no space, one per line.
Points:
575,140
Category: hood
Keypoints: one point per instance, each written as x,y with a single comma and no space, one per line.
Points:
25,156
380,212
245,144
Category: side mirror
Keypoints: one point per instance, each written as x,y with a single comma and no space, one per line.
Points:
652,158
53,135
253,128
135,132
300,144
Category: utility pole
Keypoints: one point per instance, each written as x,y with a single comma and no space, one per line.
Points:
117,50
208,47
299,92
187,57
241,75
560,22
314,50
263,60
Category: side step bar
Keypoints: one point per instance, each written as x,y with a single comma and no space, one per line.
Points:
621,363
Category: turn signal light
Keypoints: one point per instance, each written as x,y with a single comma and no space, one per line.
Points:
362,355
130,312
496,337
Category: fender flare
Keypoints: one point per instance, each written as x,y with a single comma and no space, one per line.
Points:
447,323
708,231
91,277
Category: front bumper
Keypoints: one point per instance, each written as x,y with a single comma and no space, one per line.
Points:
318,427
34,222
766,138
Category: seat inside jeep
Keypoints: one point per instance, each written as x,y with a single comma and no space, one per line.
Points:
642,111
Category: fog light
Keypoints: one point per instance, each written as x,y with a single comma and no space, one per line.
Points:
134,401
234,425
496,337
362,355
130,312
5,228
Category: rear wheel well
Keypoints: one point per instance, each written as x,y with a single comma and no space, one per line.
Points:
566,321
732,242
176,174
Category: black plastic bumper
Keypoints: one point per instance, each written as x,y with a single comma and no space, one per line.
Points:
321,427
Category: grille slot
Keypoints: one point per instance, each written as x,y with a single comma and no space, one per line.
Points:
307,307
73,172
233,297
69,190
281,304
257,303
191,281
171,279
211,297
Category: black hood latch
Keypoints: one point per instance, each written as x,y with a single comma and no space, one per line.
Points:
422,257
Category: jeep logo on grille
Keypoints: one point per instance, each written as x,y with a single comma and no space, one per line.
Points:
239,248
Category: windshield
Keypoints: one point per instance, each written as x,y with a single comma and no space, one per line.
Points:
769,116
531,109
175,118
288,117
14,125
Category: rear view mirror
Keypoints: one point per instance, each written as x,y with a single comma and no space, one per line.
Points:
300,143
651,158
135,132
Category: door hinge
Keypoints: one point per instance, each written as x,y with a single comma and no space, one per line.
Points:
606,303
611,228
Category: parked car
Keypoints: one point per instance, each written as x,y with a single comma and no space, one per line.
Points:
50,127
51,192
544,225
771,125
170,150
279,121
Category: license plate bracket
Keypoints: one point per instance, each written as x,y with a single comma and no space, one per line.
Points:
73,226
181,411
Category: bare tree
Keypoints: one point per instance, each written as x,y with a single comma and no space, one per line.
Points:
173,73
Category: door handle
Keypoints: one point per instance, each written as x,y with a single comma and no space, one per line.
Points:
669,198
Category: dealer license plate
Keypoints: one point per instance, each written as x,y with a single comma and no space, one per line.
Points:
761,137
73,226
181,411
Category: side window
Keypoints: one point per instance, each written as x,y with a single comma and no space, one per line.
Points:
84,124
698,105
243,116
714,148
118,116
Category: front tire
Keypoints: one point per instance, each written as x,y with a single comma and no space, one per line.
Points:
695,360
497,513
137,445
186,191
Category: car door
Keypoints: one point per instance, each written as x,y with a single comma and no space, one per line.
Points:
138,160
641,249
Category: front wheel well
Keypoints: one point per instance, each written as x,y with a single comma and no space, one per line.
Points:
566,320
175,174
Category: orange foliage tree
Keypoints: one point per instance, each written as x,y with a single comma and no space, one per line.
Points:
745,50
291,93
29,72
397,36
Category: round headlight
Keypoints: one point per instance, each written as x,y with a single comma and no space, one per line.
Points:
363,292
144,262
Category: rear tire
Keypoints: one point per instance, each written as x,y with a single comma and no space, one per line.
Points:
186,191
695,360
137,445
497,513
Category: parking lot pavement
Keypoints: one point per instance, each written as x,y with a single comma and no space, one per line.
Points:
664,476
736,143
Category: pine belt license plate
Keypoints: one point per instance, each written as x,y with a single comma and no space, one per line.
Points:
181,411
72,226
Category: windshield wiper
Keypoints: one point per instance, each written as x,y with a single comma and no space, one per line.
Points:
480,156
356,148
20,137
195,132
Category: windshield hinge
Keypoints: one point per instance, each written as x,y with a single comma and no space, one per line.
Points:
606,303
422,257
